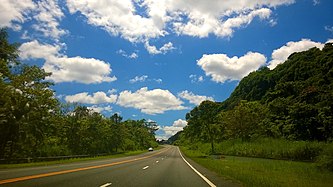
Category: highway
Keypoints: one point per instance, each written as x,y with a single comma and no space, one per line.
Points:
164,167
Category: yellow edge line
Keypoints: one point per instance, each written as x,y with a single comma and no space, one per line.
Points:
74,170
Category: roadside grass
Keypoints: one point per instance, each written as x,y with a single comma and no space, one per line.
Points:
264,172
267,148
65,161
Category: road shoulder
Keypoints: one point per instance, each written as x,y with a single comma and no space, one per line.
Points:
212,176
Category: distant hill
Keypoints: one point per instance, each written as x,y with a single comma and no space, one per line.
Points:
295,100
305,76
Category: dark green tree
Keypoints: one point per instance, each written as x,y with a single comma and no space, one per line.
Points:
202,122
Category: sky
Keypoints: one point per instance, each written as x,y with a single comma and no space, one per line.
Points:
158,59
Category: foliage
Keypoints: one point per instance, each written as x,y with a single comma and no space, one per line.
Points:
203,122
293,102
284,113
33,123
325,160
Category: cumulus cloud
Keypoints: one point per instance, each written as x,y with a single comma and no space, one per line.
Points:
179,123
67,69
168,131
192,98
143,20
222,68
201,25
118,18
14,11
280,55
34,49
96,98
155,101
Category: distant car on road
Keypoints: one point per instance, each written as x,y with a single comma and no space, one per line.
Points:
150,149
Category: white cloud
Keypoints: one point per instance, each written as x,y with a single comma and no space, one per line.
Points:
201,25
133,55
100,109
179,123
34,49
184,17
192,98
14,11
159,81
329,29
96,98
168,131
316,2
67,69
155,101
48,14
118,18
222,68
196,78
162,50
138,79
144,78
280,55
112,91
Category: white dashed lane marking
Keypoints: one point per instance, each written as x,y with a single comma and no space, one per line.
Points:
105,185
146,167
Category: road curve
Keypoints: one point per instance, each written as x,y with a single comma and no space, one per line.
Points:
165,167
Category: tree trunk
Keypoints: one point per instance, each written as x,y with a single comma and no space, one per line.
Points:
212,145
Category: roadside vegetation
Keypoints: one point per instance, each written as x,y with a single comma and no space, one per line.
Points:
275,129
263,172
34,123
71,160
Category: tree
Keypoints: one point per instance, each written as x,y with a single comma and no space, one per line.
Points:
202,122
244,121
27,103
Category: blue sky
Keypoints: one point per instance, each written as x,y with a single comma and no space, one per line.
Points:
157,59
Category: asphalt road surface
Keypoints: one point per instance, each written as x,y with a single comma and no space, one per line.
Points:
165,167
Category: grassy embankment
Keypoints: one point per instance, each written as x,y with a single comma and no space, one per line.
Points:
255,171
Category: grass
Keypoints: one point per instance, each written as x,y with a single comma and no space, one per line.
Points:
267,148
64,161
264,172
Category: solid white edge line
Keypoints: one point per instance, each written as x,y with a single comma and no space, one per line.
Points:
105,185
197,172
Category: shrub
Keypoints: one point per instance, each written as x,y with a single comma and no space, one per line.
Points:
325,159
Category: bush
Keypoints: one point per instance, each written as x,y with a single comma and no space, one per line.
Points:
325,159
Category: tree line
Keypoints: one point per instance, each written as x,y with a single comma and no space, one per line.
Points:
33,123
294,101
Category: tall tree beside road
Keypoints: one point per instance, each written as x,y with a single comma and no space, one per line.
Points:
202,122
27,103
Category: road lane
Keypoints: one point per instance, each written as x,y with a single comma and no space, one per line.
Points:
165,168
